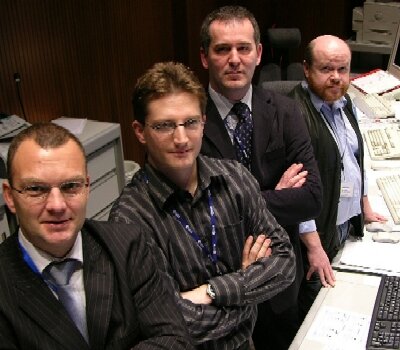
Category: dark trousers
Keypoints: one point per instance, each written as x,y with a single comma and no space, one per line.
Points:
275,331
307,294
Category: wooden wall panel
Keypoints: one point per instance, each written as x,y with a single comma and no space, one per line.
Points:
81,58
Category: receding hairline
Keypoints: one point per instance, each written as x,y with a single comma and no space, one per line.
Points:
321,43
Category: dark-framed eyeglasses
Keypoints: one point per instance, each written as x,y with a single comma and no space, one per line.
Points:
168,127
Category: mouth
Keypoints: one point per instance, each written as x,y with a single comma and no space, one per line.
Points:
234,73
183,151
57,223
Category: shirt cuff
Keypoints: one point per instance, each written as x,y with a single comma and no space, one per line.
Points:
307,226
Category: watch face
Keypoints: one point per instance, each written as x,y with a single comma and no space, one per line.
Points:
210,291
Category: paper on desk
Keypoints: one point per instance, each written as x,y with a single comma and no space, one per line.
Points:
339,329
74,125
372,255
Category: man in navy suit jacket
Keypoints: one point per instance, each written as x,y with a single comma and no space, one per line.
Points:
281,157
116,286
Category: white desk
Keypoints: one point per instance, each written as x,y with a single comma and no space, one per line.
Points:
339,318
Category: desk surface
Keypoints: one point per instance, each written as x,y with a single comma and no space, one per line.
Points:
339,318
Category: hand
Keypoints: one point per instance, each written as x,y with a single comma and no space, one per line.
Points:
374,217
293,177
369,214
254,251
319,263
198,295
317,258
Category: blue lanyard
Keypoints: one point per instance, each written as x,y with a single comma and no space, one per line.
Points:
185,224
33,267
29,260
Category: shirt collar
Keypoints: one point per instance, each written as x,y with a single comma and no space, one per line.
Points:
224,105
164,190
41,259
319,103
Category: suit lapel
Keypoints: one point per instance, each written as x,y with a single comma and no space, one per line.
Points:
38,302
99,286
216,133
263,113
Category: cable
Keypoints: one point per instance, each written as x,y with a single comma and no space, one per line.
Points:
17,79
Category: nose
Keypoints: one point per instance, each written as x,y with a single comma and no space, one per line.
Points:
180,135
55,200
335,75
234,56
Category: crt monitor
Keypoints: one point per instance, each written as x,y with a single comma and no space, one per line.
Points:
394,60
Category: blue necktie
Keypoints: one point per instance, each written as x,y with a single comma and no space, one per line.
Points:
58,274
243,133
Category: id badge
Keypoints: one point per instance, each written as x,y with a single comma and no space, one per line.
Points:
347,189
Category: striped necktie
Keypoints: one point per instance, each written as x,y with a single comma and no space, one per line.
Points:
243,133
58,275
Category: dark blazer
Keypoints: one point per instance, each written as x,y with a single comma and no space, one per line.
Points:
127,305
280,138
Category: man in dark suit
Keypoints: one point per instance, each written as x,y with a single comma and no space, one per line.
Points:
277,150
116,298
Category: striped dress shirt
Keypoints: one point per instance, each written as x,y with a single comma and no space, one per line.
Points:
240,211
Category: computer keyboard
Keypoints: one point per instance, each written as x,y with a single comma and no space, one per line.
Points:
390,188
376,81
384,330
375,106
10,126
383,143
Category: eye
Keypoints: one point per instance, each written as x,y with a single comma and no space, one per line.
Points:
244,48
222,49
325,69
71,187
36,190
343,70
192,123
164,126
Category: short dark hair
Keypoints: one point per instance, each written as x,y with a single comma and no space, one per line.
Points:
308,53
226,14
165,78
46,135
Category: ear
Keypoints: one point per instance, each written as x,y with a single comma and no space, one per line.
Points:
88,182
306,69
259,53
138,128
203,57
8,197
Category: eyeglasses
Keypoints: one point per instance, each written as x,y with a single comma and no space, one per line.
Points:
40,192
168,127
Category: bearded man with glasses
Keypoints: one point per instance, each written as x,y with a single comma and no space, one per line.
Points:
71,283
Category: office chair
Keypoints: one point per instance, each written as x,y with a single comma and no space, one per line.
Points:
280,86
281,41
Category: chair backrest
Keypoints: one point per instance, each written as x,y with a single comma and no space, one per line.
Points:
280,41
280,86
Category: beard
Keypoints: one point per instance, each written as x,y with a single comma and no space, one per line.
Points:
329,92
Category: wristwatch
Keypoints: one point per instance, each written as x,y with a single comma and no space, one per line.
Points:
210,291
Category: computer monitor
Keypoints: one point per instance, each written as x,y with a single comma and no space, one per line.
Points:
394,60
